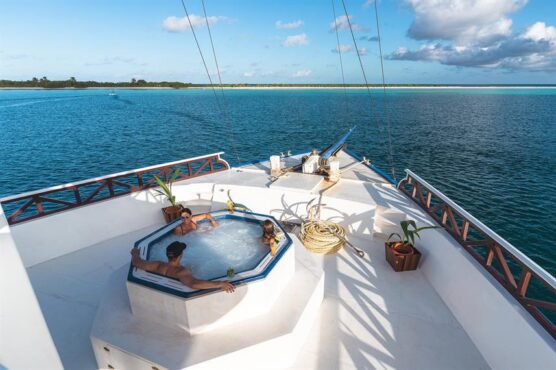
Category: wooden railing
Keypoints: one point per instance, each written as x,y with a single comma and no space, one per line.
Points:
36,204
532,286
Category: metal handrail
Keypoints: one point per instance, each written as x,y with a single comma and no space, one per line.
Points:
206,165
497,247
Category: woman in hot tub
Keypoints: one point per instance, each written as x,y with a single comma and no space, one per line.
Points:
270,237
190,222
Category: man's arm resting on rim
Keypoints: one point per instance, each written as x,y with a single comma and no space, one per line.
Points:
188,280
138,262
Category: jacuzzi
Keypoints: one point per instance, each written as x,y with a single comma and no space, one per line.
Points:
259,276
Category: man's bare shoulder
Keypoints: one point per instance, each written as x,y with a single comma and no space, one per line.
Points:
183,271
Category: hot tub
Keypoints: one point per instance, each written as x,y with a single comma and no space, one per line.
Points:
235,243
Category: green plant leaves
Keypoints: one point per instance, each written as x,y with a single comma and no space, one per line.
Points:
167,188
410,234
396,234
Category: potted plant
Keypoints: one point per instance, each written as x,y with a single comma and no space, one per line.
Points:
172,212
402,254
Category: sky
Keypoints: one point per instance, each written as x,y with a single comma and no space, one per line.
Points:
269,41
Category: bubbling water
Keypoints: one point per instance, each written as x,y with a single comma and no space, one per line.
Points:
212,250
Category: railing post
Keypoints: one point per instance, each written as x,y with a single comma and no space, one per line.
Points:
38,204
444,214
465,230
414,192
524,282
110,187
429,198
77,195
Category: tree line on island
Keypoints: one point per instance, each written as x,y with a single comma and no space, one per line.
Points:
45,83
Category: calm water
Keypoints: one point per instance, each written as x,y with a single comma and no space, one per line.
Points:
212,250
492,151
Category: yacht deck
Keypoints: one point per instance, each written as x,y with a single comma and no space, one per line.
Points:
371,316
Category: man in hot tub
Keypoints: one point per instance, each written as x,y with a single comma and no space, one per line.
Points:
190,222
173,269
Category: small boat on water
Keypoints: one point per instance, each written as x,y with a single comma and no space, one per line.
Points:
112,93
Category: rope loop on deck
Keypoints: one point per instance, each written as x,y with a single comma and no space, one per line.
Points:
325,237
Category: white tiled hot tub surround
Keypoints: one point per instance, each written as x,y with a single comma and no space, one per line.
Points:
171,303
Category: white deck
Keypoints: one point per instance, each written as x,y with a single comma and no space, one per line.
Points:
371,317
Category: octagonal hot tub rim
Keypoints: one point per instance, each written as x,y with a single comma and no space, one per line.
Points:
196,293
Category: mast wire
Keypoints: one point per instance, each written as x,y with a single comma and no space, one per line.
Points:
341,61
229,120
222,113
379,126
385,108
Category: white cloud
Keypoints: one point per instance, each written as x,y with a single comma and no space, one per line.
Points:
177,24
343,48
248,74
295,40
540,32
369,38
534,50
368,3
347,48
341,23
462,21
289,26
471,33
302,73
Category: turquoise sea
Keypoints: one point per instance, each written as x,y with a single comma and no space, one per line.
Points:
491,150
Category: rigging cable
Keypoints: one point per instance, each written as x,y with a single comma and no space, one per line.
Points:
379,126
341,61
229,121
203,59
388,129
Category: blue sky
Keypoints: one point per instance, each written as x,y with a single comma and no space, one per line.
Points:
424,41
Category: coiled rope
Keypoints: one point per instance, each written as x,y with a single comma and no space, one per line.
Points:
324,237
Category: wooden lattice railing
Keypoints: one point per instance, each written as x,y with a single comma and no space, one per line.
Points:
533,287
36,204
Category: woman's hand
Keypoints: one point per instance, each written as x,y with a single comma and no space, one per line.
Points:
212,220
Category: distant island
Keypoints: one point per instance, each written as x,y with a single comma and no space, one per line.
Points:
45,83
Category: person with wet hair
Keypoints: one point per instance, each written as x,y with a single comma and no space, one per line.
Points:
190,221
269,236
173,269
